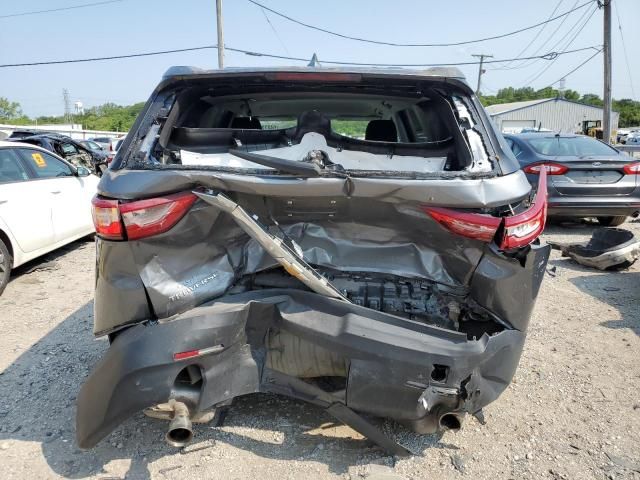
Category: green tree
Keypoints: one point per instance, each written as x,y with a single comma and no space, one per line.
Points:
9,110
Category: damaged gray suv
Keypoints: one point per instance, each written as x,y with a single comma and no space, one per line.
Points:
361,240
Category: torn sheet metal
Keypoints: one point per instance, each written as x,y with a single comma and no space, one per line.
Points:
291,260
608,249
349,159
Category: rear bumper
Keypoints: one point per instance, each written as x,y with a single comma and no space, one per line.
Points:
389,359
593,206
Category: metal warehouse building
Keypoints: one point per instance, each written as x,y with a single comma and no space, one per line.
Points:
557,114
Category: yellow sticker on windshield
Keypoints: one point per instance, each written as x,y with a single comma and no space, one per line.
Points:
39,159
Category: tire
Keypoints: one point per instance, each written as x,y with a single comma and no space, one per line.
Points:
6,260
612,221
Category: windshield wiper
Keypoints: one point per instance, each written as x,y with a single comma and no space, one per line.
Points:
301,169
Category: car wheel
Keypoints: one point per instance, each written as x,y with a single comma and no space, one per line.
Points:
612,221
5,265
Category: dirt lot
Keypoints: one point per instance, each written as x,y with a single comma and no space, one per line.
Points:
572,412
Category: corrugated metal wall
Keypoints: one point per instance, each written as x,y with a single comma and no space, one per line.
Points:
557,115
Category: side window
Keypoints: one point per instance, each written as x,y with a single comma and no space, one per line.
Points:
45,165
11,169
69,149
509,142
517,151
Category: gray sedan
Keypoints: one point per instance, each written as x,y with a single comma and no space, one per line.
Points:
586,177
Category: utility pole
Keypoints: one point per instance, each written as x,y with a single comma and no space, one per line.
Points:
481,56
606,117
220,34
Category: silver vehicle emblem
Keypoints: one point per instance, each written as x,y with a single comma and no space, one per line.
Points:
596,164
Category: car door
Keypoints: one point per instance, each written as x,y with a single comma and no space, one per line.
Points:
70,196
25,203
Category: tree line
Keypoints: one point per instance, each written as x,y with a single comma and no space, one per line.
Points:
120,118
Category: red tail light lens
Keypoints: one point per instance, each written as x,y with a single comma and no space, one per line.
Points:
472,225
519,230
632,168
106,218
142,218
549,167
524,228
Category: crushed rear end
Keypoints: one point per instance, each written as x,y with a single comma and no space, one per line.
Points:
369,277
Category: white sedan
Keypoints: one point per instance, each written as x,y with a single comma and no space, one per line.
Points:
45,203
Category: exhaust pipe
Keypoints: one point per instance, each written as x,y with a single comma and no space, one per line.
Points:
450,421
180,430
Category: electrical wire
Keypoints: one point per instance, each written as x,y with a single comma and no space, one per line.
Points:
576,68
624,49
395,44
536,36
567,45
275,32
557,44
50,10
547,56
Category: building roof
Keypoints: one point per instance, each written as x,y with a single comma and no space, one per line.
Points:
508,107
501,108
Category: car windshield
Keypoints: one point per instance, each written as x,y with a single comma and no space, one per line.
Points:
569,146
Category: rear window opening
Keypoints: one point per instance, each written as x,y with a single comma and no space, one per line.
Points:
384,131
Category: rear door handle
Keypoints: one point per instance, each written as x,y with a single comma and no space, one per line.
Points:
55,192
3,201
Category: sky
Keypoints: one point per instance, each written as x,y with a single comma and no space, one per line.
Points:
133,26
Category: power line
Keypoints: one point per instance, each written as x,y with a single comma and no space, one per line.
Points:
567,45
537,35
73,7
577,68
394,44
624,49
275,32
557,43
547,56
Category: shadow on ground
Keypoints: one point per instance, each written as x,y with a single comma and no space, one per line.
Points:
38,392
621,290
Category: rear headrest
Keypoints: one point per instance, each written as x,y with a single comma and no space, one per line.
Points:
246,123
313,121
381,131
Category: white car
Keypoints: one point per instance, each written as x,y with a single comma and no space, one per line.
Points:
45,203
633,138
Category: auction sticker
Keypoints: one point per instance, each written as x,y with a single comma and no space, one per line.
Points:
40,162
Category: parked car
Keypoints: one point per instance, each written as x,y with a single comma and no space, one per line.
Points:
633,138
104,142
623,133
91,145
392,275
70,150
586,177
45,203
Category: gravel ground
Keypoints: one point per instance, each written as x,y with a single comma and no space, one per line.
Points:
572,412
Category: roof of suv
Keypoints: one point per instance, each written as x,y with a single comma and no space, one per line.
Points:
438,72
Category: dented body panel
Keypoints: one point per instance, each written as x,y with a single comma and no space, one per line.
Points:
287,267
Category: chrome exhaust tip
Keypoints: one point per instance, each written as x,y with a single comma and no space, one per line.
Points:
180,430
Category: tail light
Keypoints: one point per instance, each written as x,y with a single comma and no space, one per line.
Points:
106,218
139,219
632,168
550,167
517,231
